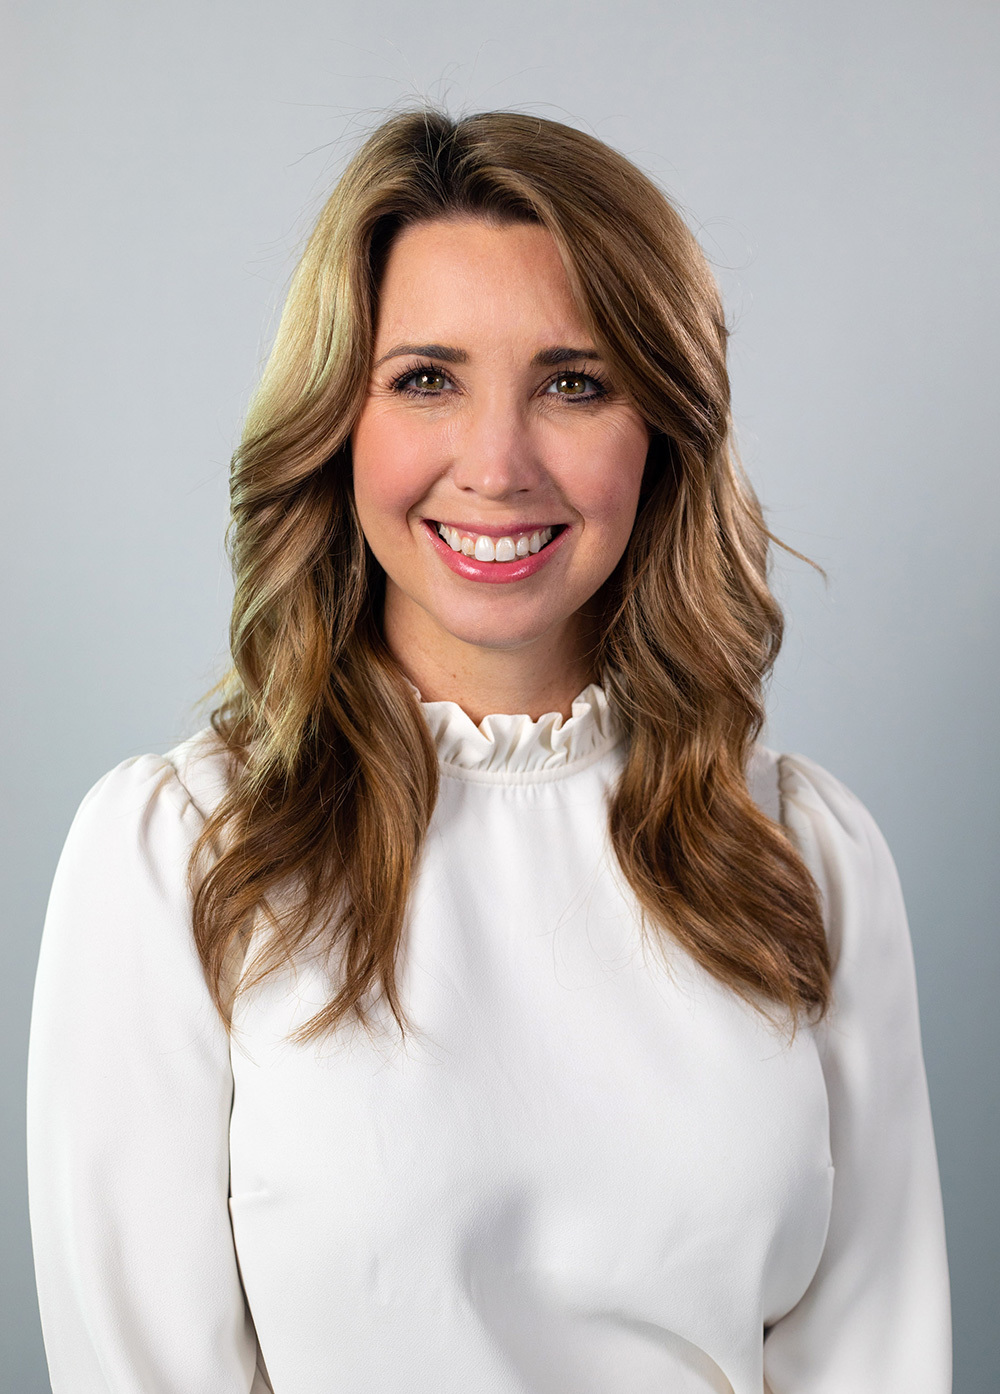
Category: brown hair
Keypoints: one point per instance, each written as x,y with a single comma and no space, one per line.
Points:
335,776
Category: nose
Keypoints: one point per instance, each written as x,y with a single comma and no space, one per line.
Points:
495,453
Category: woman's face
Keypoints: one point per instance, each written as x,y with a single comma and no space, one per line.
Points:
490,416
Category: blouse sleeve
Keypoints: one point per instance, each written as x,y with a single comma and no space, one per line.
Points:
876,1318
129,1095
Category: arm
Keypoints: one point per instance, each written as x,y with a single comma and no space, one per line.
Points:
876,1318
129,1094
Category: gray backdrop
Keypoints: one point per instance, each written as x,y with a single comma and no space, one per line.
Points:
837,159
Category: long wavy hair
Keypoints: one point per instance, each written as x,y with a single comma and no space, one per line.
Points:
334,772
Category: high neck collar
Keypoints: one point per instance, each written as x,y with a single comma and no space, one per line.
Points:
505,745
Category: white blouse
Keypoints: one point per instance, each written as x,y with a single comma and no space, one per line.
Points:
593,1169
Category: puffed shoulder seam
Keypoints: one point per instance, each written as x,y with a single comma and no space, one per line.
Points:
836,836
133,788
193,775
810,790
130,777
204,768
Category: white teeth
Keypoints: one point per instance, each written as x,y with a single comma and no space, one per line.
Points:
485,548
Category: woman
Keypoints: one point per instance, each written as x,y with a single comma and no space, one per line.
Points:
523,1025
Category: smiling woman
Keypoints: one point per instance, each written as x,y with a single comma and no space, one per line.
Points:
477,1005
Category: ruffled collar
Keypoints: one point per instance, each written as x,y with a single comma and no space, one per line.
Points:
505,746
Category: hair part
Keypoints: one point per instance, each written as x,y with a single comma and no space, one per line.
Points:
335,774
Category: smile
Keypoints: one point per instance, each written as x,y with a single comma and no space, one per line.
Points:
484,547
495,556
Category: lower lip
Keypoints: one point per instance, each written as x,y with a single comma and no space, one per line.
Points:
494,571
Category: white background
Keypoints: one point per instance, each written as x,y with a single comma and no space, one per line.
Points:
837,158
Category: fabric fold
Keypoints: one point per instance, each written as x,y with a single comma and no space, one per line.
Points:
514,743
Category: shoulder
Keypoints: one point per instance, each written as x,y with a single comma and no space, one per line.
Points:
204,768
191,778
148,810
825,817
793,788
847,854
119,907
117,960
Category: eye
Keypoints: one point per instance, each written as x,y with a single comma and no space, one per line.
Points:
583,387
421,382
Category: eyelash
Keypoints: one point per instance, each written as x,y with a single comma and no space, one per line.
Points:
603,387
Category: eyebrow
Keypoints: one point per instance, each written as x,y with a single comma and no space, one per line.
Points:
544,358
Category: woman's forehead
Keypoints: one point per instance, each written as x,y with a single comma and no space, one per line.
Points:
467,276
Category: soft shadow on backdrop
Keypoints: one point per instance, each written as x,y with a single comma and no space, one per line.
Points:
838,163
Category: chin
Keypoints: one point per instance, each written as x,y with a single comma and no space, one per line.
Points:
498,630
485,635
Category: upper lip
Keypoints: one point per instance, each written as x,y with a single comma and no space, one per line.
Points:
491,529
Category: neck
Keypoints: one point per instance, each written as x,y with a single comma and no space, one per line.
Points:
541,675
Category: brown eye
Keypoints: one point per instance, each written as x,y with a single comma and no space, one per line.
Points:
583,387
421,382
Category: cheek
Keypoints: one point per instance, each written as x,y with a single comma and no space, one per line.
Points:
606,488
392,469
